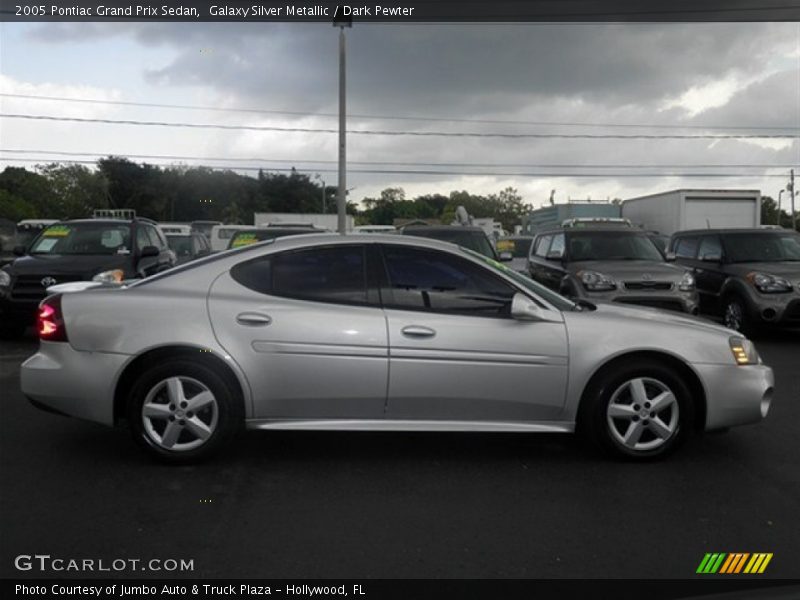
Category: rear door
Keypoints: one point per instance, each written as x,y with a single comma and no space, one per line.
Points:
308,331
455,352
708,274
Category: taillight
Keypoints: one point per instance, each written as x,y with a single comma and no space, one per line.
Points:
50,322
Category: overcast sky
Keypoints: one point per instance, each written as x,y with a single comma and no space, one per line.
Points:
548,78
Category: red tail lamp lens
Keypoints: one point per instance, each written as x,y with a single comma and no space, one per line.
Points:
50,323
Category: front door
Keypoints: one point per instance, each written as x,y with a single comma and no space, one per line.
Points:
456,353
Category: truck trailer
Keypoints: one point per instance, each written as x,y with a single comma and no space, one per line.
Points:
678,210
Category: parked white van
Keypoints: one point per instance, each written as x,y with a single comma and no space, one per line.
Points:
221,235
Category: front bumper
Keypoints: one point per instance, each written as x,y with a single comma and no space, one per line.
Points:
74,383
735,395
776,309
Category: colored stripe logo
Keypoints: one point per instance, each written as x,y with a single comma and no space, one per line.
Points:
734,563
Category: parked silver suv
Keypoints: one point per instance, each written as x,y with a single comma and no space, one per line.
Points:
611,265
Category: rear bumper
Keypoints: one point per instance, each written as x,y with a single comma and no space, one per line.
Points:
78,384
736,395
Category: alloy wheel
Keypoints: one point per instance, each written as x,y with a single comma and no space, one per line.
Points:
180,414
642,414
734,315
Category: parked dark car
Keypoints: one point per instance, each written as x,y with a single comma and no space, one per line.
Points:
188,246
78,250
604,264
473,238
750,277
252,236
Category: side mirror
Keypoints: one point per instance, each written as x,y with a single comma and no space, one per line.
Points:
525,309
555,255
19,250
709,257
670,256
149,251
506,256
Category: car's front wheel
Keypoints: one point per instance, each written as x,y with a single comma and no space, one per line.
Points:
642,410
183,411
734,315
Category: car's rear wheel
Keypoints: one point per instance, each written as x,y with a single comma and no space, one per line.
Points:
641,411
734,315
182,411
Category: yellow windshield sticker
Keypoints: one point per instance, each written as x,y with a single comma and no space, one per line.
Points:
505,246
244,240
56,231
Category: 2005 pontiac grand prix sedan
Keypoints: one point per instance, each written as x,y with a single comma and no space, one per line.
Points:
381,332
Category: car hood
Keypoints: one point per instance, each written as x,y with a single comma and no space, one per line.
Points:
68,264
646,316
788,269
631,269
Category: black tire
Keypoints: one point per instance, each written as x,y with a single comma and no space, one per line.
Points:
223,417
12,331
734,315
598,427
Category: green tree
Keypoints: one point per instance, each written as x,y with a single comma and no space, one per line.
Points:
76,190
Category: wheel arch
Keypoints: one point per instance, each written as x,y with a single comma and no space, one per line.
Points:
153,356
688,374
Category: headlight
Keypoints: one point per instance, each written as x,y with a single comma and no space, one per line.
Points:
5,279
744,351
769,284
686,283
115,276
596,282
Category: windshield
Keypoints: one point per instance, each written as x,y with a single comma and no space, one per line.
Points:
473,240
84,238
245,238
611,245
556,300
519,247
762,247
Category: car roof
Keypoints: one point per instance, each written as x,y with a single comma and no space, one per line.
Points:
731,230
606,229
442,228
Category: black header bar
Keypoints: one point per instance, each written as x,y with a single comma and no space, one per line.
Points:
402,11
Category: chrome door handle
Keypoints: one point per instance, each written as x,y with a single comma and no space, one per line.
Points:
418,331
253,319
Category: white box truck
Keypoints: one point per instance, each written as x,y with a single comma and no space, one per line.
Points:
678,210
321,220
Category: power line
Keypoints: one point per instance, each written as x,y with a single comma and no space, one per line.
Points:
429,172
393,117
407,163
402,133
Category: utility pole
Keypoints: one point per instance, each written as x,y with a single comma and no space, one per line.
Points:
341,200
778,222
790,189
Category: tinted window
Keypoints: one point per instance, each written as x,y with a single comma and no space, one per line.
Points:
542,245
686,247
558,244
762,247
155,239
519,247
333,274
142,239
440,282
709,245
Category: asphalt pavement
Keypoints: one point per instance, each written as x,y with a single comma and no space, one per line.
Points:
364,505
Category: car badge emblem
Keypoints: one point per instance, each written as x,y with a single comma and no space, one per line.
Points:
48,281
647,277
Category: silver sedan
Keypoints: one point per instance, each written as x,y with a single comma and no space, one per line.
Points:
379,332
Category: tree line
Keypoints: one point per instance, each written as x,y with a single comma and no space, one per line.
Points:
185,193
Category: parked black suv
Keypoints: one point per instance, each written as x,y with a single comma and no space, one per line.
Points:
750,277
611,264
473,238
78,250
